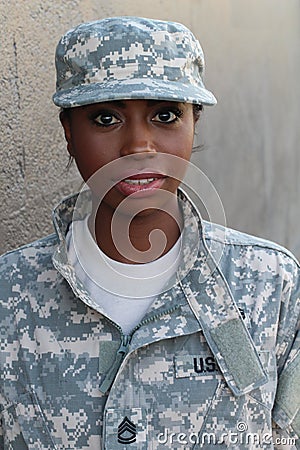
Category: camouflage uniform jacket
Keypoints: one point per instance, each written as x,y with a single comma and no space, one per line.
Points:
212,365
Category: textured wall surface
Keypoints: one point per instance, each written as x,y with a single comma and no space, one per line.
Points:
250,139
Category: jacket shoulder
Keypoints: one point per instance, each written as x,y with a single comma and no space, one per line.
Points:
229,237
30,256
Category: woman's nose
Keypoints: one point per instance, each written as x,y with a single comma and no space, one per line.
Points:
138,141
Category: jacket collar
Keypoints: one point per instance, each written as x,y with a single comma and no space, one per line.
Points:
201,294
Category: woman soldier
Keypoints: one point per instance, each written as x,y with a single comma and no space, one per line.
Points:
123,330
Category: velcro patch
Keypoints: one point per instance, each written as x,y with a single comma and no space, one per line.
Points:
240,360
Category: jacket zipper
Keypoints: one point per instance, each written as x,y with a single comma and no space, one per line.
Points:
123,351
111,374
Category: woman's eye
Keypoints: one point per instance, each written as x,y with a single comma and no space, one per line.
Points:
106,119
165,117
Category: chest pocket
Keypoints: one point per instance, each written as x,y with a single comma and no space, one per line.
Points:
24,427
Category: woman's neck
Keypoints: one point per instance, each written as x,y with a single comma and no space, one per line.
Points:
127,240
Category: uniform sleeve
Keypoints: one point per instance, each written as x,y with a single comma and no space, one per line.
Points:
286,413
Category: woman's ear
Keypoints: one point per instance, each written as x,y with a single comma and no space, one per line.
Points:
65,120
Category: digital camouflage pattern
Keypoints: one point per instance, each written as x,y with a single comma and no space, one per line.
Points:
71,380
129,58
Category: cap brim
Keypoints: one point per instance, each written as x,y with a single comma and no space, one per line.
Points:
144,88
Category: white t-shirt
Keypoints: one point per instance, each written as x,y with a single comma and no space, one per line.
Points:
123,291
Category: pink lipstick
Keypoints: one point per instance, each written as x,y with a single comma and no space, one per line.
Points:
143,183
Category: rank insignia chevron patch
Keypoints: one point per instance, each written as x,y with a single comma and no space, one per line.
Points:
126,431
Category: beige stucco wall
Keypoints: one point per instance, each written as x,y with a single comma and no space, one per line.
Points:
250,139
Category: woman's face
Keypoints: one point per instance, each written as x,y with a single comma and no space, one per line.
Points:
104,132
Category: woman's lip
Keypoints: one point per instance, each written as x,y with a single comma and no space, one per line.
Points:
141,189
143,176
137,174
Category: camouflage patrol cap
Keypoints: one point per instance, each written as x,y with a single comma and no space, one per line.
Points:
123,58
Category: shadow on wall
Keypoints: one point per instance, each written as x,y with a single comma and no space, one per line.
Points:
250,138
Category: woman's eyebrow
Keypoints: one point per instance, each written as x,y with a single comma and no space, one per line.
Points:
122,104
118,103
157,102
